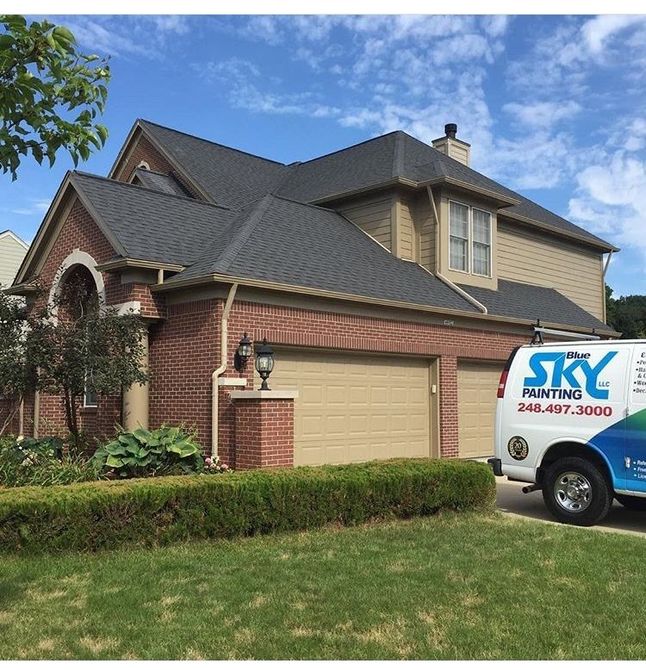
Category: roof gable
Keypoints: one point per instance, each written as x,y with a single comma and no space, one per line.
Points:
10,235
230,177
151,225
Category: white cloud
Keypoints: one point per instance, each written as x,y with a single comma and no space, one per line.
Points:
127,36
542,114
599,30
611,199
34,207
242,79
418,72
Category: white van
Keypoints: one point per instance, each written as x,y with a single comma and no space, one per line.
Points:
571,421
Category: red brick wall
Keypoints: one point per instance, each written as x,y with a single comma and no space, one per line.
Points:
80,232
448,406
183,352
306,328
143,150
264,431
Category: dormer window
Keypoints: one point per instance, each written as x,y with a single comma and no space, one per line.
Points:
469,239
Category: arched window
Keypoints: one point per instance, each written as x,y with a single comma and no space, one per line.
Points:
78,288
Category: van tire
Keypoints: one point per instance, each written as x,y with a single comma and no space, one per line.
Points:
632,502
586,488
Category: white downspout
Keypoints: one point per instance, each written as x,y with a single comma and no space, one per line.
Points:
224,333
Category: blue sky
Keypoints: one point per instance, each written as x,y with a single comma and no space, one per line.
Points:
554,107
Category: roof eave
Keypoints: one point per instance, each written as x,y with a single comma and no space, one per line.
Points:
388,183
601,244
500,199
127,262
42,230
276,286
23,289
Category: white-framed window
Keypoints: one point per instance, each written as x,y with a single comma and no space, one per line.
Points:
459,237
89,396
469,239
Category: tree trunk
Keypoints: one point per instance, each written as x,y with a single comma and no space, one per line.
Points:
70,414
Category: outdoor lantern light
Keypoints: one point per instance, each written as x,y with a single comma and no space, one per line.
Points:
243,352
264,363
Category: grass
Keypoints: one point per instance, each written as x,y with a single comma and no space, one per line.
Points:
453,586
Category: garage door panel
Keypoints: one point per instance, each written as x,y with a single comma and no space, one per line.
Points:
477,387
355,408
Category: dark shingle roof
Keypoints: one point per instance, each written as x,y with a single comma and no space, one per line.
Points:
164,183
235,178
230,177
151,225
366,164
400,155
523,301
287,242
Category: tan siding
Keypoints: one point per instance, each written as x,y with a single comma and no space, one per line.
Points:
407,236
11,255
424,223
372,215
459,153
533,258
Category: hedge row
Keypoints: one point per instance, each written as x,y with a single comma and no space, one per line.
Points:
158,511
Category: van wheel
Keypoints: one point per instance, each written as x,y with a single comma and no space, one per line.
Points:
575,491
632,502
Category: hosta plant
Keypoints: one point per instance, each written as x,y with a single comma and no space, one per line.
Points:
142,453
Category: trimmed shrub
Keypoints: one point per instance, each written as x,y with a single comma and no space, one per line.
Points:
162,510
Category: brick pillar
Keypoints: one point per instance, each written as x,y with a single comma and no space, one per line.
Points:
264,429
448,406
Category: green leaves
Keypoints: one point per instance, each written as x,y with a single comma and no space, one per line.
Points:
60,356
50,94
145,453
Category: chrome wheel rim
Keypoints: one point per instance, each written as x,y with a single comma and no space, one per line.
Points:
573,492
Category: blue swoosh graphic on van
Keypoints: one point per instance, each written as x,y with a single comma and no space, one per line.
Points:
626,437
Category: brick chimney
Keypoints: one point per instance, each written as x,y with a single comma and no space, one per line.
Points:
452,146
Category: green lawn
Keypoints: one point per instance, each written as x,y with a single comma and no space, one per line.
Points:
451,586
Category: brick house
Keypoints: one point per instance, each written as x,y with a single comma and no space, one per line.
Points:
391,279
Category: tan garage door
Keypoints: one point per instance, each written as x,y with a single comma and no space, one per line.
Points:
355,408
477,387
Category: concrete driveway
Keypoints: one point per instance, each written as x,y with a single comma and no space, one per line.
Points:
511,500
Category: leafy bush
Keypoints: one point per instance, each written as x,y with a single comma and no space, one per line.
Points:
169,509
44,462
144,453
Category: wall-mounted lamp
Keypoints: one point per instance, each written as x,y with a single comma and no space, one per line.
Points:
243,352
264,363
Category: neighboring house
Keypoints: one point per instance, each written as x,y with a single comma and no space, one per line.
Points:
391,279
12,252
